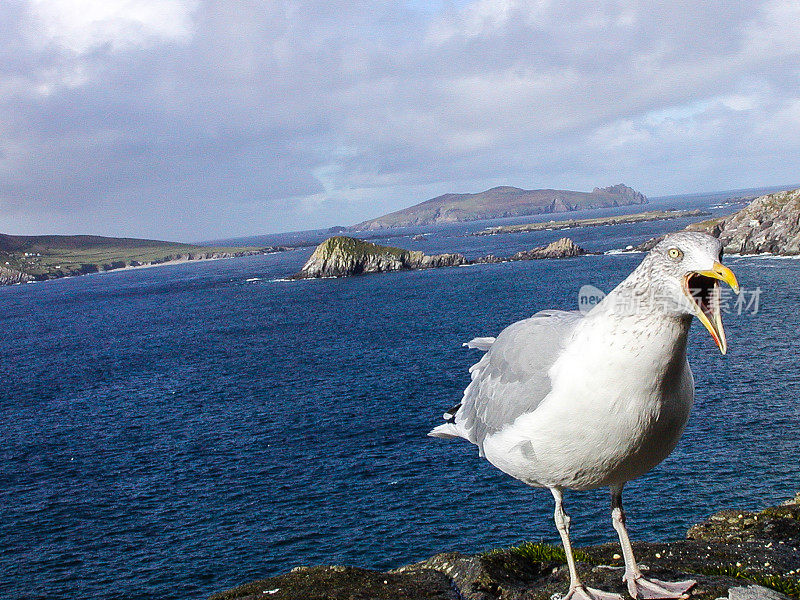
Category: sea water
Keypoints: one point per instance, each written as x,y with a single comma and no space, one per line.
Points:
172,432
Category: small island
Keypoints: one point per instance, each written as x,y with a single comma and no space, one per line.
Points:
342,256
25,259
652,215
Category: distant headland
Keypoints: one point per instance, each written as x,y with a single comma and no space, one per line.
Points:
25,259
503,201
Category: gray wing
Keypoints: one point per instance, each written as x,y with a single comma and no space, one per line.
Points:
512,377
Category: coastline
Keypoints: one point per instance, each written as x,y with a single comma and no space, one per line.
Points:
151,265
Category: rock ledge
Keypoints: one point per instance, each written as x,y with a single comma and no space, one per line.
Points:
736,555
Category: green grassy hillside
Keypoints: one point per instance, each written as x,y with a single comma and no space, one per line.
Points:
53,256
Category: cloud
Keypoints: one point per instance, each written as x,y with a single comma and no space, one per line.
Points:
83,25
200,119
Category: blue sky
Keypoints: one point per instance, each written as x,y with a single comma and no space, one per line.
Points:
191,119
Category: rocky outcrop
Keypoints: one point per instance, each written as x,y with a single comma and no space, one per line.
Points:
343,256
13,277
623,194
562,248
502,201
770,224
736,555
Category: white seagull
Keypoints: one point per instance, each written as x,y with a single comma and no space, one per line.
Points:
570,401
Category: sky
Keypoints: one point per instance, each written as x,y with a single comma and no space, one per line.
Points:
193,119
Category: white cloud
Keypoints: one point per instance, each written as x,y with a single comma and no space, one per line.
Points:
739,102
84,25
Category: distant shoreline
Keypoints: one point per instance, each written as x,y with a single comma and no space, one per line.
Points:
202,257
652,215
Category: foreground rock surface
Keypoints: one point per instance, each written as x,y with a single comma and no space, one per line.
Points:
770,223
342,256
736,555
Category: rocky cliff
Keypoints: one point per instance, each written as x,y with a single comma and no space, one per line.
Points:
737,555
770,223
13,277
503,201
342,256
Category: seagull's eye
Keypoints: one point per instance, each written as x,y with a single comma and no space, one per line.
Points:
675,253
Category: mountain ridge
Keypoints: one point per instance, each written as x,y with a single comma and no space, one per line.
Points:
501,201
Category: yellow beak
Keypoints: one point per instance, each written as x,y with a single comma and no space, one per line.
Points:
723,273
706,299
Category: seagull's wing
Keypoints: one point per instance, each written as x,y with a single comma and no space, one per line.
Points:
512,378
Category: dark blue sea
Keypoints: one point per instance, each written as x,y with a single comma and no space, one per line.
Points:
172,432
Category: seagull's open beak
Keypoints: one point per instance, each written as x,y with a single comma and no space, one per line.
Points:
702,288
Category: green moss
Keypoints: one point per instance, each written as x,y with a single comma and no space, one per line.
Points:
785,585
540,552
358,249
781,512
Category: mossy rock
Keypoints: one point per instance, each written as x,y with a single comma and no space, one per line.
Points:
734,554
346,583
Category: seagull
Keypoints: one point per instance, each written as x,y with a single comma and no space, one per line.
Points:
564,400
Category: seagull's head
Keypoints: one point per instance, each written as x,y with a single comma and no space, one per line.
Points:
687,267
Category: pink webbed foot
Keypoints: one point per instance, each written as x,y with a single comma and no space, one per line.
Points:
581,592
655,589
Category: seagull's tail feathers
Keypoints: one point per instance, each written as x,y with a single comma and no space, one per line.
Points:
450,429
447,431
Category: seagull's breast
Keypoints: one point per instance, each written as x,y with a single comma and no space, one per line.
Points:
621,395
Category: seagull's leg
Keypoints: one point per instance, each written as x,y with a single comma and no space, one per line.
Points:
638,586
577,591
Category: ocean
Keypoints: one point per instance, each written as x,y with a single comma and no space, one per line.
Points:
176,431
